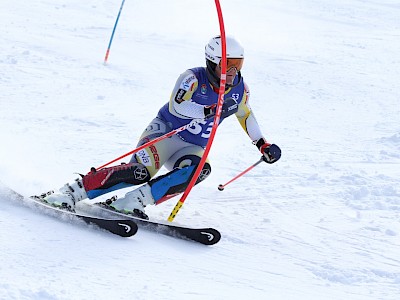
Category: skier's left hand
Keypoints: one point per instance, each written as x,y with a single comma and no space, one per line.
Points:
271,152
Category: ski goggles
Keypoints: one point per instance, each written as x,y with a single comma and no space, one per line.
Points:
236,63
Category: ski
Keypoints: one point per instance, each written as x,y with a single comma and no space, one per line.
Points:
121,227
205,236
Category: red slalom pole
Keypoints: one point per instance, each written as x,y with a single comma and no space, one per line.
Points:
222,186
216,118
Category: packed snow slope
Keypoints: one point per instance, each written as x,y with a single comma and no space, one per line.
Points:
322,223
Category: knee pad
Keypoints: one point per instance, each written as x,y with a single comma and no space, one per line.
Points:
193,160
204,172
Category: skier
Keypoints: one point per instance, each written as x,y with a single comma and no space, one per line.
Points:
194,96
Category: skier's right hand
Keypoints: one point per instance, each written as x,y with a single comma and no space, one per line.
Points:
229,107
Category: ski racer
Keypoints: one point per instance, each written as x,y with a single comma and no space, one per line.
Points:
194,96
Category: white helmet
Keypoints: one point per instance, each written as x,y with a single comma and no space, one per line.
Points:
234,55
213,50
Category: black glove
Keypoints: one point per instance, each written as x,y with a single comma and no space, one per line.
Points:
229,107
271,152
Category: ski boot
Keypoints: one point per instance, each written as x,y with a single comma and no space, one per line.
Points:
66,196
133,203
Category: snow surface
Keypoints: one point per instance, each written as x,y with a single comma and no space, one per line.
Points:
322,223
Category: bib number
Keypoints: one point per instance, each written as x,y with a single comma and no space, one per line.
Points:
198,129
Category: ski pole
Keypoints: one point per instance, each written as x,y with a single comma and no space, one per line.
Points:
156,140
112,34
222,186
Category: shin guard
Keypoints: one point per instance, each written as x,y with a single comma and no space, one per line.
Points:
106,180
175,182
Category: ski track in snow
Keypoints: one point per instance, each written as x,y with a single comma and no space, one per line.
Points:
322,223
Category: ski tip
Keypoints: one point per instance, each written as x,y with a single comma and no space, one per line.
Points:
210,236
127,228
124,228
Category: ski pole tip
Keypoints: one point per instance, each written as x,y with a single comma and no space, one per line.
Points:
221,187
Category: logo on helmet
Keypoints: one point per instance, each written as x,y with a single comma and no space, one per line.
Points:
212,58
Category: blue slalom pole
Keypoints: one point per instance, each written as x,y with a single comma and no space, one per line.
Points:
112,34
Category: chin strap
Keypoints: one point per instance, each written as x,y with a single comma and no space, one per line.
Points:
211,76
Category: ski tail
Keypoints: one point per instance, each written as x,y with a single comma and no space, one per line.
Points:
122,226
